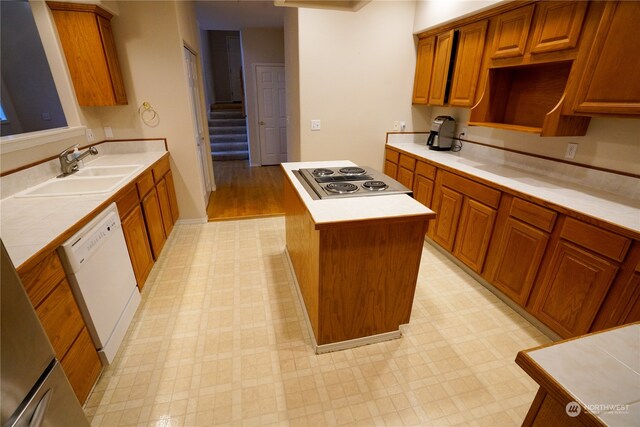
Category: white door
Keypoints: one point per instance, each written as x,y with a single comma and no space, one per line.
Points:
196,110
234,59
272,114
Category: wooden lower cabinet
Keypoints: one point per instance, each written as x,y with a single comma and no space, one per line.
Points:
517,258
165,206
423,190
82,365
573,289
173,199
474,233
448,205
55,305
153,219
391,169
135,234
405,177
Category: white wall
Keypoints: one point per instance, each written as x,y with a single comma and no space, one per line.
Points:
431,13
259,46
292,79
149,39
356,76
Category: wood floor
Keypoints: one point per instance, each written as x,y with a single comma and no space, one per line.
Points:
245,192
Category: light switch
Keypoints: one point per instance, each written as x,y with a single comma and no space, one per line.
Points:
89,134
315,124
108,132
572,147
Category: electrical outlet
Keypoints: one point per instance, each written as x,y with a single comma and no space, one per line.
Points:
89,134
403,126
315,124
463,132
572,147
396,125
108,132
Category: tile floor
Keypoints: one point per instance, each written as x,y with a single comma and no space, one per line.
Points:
220,340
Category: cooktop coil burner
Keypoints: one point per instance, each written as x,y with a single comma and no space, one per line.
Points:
375,185
322,172
352,170
341,187
327,182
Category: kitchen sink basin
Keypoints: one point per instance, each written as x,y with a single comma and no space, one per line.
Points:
74,186
107,170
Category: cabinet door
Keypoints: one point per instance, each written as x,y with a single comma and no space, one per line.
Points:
610,83
82,366
153,218
391,169
557,25
405,177
447,216
423,190
511,32
441,67
424,66
165,207
173,200
474,233
519,255
135,234
468,60
111,56
573,289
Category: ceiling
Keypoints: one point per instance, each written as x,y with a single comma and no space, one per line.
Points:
233,15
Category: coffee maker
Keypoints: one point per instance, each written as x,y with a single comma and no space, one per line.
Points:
441,136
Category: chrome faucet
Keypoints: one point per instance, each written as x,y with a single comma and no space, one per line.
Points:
69,162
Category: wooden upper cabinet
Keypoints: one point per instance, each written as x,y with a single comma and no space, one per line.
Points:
511,32
424,66
471,40
441,68
557,25
87,40
610,83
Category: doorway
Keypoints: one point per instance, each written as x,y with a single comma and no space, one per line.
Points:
196,111
272,114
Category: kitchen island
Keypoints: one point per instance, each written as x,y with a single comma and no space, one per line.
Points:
355,261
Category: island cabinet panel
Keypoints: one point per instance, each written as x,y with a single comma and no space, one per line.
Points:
303,246
517,247
474,233
557,25
511,32
610,84
381,299
441,66
424,66
471,41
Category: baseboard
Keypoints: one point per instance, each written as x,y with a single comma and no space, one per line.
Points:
192,221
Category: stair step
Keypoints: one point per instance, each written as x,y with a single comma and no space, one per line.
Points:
226,106
226,130
236,137
230,155
229,146
227,122
226,115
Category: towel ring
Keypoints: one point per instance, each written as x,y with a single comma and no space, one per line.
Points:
148,114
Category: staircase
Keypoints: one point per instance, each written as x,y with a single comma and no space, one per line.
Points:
228,132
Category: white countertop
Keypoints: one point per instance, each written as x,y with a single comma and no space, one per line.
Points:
356,208
601,371
29,224
602,205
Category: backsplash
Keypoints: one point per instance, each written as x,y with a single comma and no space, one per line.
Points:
18,181
614,183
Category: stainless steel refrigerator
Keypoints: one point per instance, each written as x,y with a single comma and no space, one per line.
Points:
35,390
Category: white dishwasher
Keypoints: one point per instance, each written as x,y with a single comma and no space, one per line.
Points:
98,266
